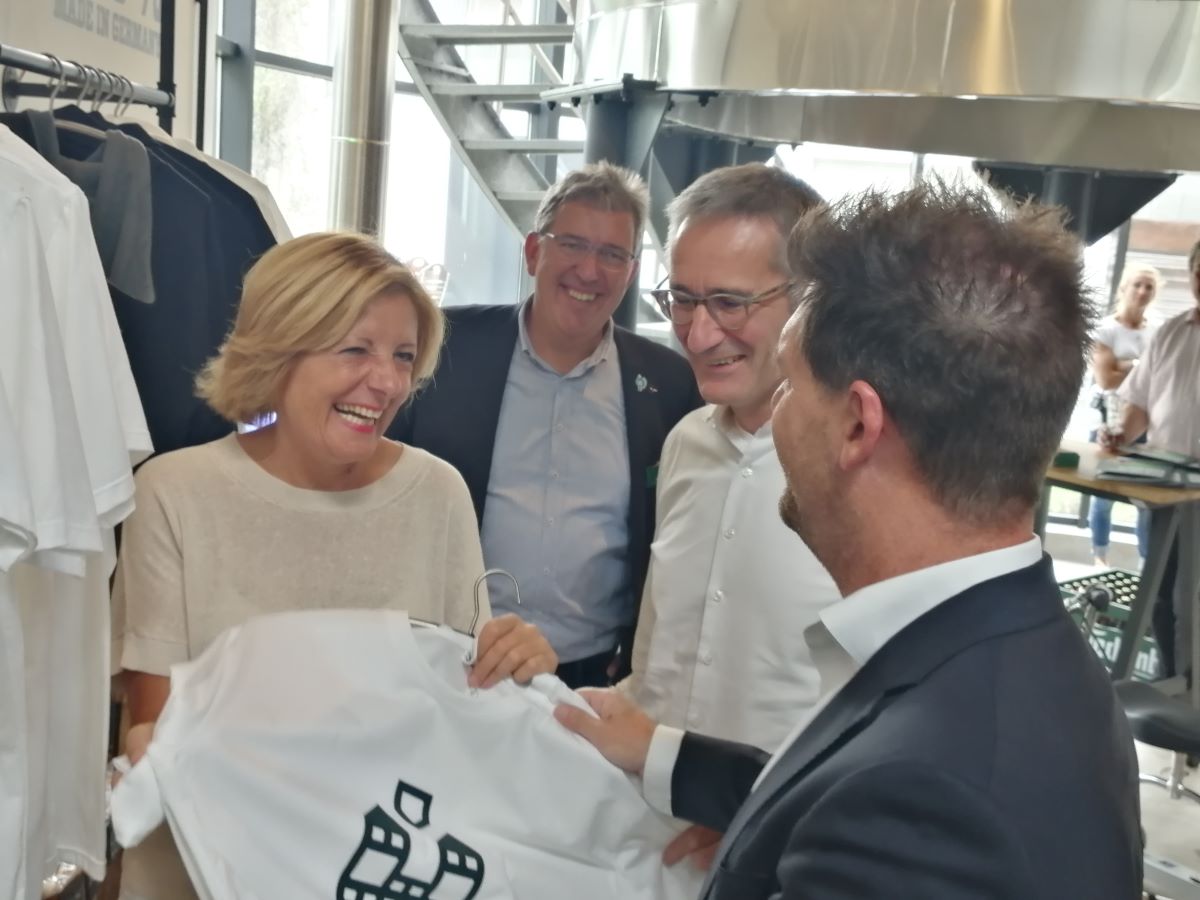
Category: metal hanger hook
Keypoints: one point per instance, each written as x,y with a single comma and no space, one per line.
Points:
479,582
114,88
85,87
58,78
93,79
103,90
128,95
100,95
120,92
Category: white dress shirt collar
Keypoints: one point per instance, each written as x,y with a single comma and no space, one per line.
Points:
721,418
870,617
856,628
602,352
849,633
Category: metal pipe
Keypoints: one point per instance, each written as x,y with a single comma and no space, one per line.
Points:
201,72
544,62
607,140
1119,258
70,73
363,74
166,64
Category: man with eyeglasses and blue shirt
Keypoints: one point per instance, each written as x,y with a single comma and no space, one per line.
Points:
556,417
719,648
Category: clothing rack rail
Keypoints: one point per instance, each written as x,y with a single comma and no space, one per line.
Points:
71,80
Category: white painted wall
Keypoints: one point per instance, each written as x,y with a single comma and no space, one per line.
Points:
121,36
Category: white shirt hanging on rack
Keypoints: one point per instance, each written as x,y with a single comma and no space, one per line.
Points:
17,527
341,754
76,419
108,409
33,376
17,538
33,370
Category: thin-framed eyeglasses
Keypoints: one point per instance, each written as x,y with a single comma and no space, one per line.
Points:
575,249
729,311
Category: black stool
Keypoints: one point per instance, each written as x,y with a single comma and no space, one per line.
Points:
1162,721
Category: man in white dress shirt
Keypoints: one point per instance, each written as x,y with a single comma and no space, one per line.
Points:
719,648
1162,401
968,742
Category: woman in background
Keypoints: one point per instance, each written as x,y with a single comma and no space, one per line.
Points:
1120,340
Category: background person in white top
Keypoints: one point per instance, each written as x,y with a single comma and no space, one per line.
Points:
1119,342
1162,401
316,511
719,647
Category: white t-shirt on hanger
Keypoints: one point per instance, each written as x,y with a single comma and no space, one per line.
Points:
17,526
37,390
82,426
340,754
16,541
14,881
109,410
34,373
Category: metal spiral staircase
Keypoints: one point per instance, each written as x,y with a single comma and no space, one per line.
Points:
513,170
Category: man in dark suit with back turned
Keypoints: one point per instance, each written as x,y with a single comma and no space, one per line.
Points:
968,743
555,418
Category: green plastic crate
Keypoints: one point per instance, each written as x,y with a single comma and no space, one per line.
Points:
1106,635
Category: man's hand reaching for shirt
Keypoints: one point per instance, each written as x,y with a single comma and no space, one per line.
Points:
697,844
137,739
619,730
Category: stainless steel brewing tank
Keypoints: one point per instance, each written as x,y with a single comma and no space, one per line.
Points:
1111,84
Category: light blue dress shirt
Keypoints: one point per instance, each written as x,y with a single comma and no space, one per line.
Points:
557,507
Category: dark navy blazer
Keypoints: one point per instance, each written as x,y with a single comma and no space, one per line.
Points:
981,753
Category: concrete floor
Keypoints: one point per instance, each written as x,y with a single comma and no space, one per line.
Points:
1172,826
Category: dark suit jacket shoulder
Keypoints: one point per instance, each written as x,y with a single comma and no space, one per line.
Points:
980,753
455,416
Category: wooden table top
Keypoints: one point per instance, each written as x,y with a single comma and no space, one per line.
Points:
1083,479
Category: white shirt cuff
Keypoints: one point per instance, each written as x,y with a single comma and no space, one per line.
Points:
136,804
660,766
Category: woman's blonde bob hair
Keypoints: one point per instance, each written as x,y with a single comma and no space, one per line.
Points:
304,296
